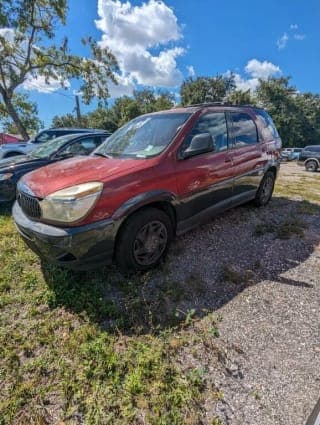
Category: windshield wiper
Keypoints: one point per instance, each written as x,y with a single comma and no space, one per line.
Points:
104,155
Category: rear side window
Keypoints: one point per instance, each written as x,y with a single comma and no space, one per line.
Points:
312,148
268,129
243,129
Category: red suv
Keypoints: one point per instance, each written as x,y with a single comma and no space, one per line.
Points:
157,176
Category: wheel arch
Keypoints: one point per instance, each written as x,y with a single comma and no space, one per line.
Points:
161,200
312,159
12,153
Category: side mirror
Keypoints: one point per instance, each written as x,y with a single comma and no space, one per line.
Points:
200,143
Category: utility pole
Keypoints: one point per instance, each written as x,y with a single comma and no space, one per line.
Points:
78,110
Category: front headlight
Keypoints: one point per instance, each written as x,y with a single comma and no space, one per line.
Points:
71,204
5,176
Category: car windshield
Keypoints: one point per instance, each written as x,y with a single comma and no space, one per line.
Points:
51,147
143,137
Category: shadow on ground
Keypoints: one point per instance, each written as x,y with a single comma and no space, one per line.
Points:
205,269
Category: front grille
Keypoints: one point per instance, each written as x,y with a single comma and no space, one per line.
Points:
29,205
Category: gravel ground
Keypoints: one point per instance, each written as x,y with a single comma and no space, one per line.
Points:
265,284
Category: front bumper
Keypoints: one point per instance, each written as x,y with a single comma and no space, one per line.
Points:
77,248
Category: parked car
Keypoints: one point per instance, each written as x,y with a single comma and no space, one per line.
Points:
310,157
13,168
157,176
9,138
290,154
14,149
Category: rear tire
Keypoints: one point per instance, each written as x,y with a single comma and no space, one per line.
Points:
265,190
144,240
311,165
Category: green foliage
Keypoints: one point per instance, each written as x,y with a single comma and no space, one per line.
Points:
206,89
25,51
239,97
296,115
58,364
28,113
125,108
67,120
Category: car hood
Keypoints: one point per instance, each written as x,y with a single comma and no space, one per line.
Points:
15,162
12,146
79,170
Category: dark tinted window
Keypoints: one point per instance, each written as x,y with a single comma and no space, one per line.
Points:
312,148
244,131
268,129
215,124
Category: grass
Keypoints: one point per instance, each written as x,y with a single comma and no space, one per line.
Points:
285,230
97,348
77,348
231,274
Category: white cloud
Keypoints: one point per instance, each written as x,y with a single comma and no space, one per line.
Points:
282,41
134,33
294,35
299,37
8,34
39,84
125,87
262,70
191,71
256,70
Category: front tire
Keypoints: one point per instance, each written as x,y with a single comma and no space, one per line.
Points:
311,165
265,190
144,240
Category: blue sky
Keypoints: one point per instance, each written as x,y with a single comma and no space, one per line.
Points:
160,43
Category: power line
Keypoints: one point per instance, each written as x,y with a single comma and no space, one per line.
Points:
69,96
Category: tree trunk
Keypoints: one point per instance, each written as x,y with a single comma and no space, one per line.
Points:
14,115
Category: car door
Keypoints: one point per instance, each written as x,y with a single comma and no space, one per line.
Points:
247,155
205,181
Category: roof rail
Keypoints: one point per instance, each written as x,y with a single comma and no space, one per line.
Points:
216,104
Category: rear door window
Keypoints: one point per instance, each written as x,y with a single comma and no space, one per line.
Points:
243,130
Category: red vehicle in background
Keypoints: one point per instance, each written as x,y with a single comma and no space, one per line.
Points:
157,176
9,138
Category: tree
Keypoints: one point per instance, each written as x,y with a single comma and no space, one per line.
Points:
27,51
67,120
281,101
27,111
206,89
239,97
102,118
125,108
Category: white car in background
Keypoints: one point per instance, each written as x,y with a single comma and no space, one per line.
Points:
23,148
